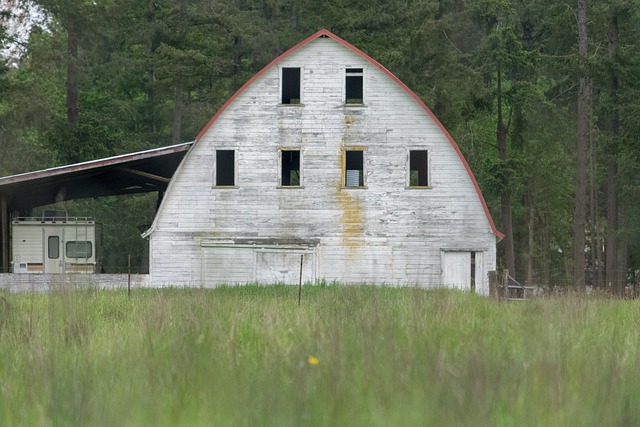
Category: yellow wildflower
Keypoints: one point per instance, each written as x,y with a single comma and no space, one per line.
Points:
313,360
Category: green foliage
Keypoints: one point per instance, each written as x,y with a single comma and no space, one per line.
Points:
383,356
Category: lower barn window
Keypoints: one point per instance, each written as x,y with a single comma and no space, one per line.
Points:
354,168
225,168
418,168
290,168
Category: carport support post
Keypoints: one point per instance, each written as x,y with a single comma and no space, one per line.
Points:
5,234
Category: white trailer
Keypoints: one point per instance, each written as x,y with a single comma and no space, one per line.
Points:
53,243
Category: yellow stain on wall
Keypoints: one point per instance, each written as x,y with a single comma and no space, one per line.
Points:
351,213
349,120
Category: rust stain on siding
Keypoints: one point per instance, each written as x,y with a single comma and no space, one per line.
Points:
350,205
351,214
352,221
349,120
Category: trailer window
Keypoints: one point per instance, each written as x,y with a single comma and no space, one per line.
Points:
79,249
53,249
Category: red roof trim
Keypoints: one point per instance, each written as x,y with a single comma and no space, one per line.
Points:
385,71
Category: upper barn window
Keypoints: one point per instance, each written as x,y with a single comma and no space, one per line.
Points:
225,168
418,168
291,83
354,86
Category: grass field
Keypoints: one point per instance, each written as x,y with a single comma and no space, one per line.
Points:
348,356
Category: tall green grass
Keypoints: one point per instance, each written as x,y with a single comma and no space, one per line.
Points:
386,357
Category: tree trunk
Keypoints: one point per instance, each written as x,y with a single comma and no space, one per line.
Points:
594,215
622,254
531,229
507,222
73,38
612,225
176,125
613,127
151,95
584,95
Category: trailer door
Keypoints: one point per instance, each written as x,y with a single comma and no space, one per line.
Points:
52,248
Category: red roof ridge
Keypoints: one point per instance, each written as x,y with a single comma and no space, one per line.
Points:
327,33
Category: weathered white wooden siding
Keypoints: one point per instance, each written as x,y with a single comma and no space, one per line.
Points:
384,233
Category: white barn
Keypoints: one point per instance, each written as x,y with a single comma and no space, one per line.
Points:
323,165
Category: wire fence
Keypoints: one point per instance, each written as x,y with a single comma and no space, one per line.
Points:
553,278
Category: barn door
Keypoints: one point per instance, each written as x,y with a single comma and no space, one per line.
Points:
52,251
459,269
284,267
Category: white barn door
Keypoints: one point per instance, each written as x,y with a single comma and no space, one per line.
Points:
284,267
457,269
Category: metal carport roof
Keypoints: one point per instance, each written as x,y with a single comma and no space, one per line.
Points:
141,172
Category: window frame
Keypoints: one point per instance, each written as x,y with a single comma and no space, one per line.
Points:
347,74
282,86
345,150
235,168
408,169
281,150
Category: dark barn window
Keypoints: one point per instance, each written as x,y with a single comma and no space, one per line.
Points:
225,168
290,172
354,168
418,162
354,86
291,85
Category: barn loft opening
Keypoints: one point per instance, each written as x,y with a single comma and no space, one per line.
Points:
291,85
418,170
354,86
354,168
225,168
290,170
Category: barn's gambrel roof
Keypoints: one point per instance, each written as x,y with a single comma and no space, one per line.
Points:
326,33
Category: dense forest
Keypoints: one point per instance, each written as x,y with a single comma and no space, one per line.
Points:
541,96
